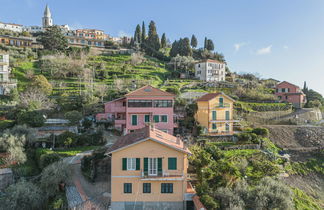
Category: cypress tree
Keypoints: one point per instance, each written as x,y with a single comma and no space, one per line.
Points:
194,41
210,45
163,41
137,34
153,37
143,32
174,49
187,51
205,43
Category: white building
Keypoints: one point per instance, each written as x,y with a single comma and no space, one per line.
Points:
11,27
210,70
6,84
33,29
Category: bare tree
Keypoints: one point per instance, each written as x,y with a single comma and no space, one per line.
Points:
35,99
101,90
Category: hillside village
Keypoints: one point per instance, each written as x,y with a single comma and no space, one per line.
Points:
92,121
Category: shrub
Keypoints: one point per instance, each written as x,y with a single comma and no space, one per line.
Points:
73,116
47,159
32,118
248,138
271,194
209,202
54,174
264,132
23,195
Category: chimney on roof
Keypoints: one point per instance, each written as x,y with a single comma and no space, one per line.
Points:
178,139
185,143
152,127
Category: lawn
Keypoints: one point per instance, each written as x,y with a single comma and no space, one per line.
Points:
66,152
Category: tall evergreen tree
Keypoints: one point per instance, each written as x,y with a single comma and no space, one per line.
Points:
194,41
210,45
143,37
174,49
137,34
53,39
205,43
163,41
153,40
305,88
186,49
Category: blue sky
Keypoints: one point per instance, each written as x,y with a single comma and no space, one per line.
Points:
281,39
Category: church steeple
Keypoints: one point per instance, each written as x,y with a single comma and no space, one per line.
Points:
47,19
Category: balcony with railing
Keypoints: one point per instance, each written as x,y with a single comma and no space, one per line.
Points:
224,120
164,175
222,105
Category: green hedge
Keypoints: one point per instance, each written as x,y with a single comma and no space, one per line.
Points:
262,107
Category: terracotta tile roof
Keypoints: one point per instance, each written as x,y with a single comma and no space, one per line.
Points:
210,61
147,133
287,83
198,204
210,96
148,90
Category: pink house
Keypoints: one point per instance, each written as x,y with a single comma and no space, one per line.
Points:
290,93
143,106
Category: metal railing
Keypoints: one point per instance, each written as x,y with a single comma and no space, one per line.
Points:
162,174
222,105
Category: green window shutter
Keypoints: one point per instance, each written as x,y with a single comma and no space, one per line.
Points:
164,118
147,118
227,127
227,115
145,166
138,164
134,119
214,115
221,102
124,164
172,163
159,166
156,118
214,126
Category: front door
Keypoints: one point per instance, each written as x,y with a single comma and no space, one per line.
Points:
152,167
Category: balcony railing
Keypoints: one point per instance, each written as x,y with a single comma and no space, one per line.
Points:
162,175
225,120
222,105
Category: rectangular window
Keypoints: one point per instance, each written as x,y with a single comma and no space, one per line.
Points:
172,163
214,126
156,118
227,115
131,164
134,119
166,188
213,115
146,187
147,118
227,127
139,103
162,103
127,187
164,118
221,102
152,166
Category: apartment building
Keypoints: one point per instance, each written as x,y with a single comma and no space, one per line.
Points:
6,84
210,70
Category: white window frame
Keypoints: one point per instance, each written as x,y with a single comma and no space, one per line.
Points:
152,166
131,164
167,118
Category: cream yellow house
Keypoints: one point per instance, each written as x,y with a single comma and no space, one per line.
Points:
149,171
215,113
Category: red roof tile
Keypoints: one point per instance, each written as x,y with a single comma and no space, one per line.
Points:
210,96
147,133
210,61
148,90
197,202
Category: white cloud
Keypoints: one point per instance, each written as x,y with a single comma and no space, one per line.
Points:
264,51
123,33
285,47
238,46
